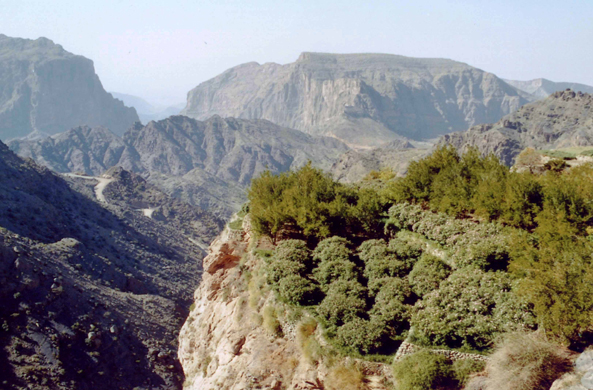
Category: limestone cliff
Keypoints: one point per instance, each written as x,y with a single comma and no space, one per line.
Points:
362,99
46,89
237,336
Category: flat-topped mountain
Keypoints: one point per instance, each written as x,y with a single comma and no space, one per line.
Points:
564,119
542,88
205,163
46,89
362,99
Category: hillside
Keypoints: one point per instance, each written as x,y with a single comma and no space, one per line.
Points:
205,163
564,119
443,279
46,89
542,88
362,99
96,277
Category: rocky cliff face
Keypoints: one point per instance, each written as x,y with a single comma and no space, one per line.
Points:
96,274
542,88
362,99
207,163
230,341
46,89
564,119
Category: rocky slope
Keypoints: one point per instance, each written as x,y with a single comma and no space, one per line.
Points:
362,99
94,287
46,89
229,340
205,163
542,88
354,165
564,119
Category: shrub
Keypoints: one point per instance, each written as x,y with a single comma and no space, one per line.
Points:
277,269
427,274
406,251
526,362
362,336
299,291
463,369
470,309
345,301
294,250
332,257
380,261
423,370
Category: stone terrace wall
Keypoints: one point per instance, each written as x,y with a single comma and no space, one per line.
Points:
408,349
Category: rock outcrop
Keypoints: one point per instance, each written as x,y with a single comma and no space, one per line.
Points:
46,89
223,344
563,120
205,163
93,290
362,99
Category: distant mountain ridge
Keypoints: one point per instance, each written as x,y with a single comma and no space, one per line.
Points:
147,111
206,163
564,119
46,89
362,99
542,88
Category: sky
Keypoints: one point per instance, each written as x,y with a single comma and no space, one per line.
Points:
159,50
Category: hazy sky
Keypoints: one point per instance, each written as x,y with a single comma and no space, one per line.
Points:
159,50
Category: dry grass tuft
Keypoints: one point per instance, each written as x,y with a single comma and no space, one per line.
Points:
344,377
526,362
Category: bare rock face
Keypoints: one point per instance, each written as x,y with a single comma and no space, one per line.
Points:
564,119
542,88
204,163
46,89
223,344
362,99
94,289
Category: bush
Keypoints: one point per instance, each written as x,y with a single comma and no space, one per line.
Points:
362,336
423,370
344,302
390,306
299,291
332,257
463,369
470,309
427,274
526,362
294,250
380,261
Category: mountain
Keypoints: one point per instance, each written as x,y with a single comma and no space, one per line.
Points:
542,88
564,119
205,163
96,274
354,165
46,89
146,111
362,99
